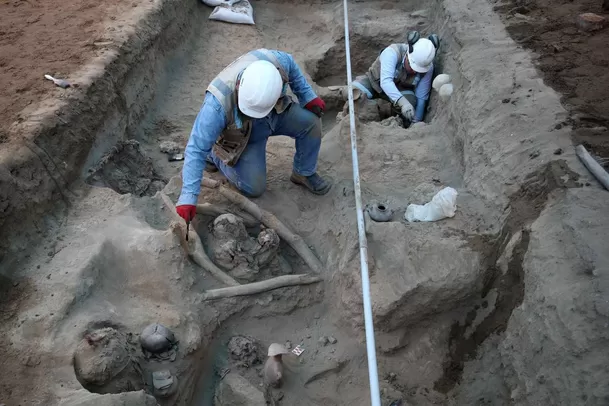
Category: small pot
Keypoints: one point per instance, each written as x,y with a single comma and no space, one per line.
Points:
379,212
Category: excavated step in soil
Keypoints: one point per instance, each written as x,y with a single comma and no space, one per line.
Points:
504,303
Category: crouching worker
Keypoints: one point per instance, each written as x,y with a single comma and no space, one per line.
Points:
402,74
244,105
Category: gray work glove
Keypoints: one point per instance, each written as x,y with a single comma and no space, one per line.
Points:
406,108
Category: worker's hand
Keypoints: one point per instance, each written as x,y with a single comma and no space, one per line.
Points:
406,108
187,211
418,124
317,106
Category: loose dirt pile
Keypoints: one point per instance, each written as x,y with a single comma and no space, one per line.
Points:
503,304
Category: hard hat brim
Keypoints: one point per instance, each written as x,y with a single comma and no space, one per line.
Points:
418,68
253,113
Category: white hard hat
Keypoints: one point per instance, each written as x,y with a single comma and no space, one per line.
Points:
422,55
259,89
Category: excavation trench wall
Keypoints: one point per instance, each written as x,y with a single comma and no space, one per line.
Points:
62,138
494,140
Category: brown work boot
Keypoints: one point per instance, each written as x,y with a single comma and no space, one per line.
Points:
315,183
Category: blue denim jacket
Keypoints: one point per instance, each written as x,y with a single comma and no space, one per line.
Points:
211,121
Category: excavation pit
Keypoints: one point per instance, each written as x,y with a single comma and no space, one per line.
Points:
467,310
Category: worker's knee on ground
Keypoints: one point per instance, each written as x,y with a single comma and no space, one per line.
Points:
316,128
312,123
254,187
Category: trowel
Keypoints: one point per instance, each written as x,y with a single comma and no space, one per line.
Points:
59,82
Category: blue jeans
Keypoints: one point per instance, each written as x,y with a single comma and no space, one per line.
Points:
249,173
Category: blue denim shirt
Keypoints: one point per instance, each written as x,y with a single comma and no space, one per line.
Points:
211,121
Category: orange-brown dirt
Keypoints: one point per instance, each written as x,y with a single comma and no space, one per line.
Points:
573,61
53,37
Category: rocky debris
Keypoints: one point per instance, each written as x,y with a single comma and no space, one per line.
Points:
323,341
102,360
246,350
234,250
126,169
288,345
235,390
591,22
395,122
169,147
332,340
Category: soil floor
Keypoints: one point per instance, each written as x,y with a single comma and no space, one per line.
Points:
573,62
113,261
50,37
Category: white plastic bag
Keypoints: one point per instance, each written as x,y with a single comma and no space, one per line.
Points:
238,13
214,3
442,205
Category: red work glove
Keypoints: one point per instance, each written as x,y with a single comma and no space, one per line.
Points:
316,106
187,211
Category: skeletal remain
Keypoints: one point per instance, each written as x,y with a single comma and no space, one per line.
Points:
269,220
259,287
196,250
234,250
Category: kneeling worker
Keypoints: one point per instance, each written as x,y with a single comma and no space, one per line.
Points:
244,105
402,74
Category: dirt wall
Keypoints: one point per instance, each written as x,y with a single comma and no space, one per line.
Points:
63,137
451,299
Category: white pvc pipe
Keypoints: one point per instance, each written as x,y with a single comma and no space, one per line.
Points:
375,396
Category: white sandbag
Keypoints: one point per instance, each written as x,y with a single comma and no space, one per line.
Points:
238,13
446,91
442,205
215,3
440,80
